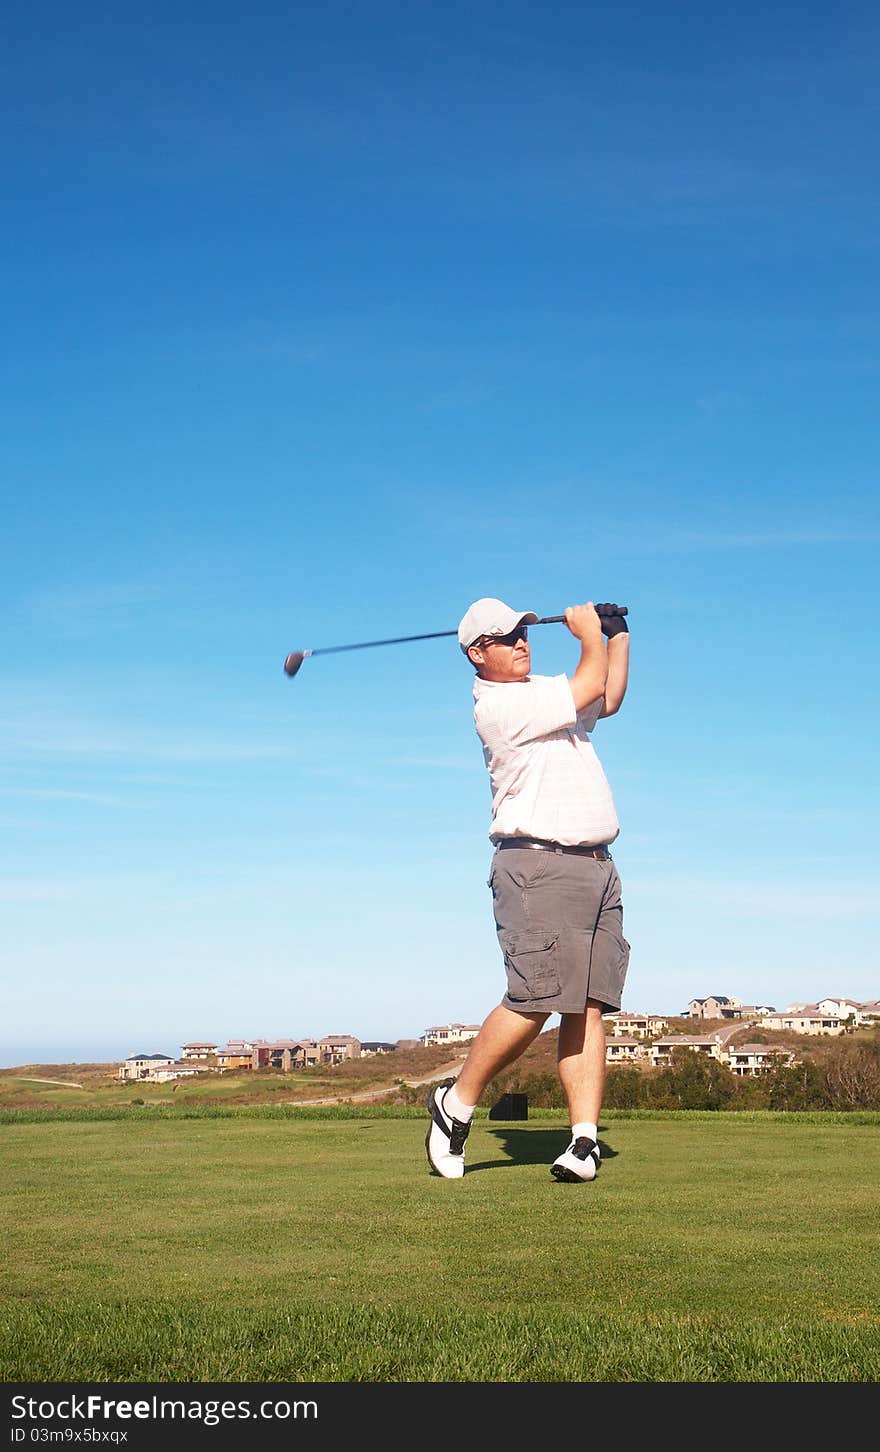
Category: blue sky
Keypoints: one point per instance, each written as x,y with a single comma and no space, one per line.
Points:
323,321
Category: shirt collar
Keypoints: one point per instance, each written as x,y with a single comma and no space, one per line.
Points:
480,685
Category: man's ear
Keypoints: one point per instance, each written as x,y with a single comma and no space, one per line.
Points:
475,660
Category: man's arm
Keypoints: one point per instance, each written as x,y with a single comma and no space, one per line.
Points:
618,673
589,680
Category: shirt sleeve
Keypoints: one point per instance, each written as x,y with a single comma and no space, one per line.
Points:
525,711
590,714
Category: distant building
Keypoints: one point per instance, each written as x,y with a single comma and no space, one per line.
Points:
661,1050
450,1033
806,1018
750,1060
643,1025
198,1051
285,1054
718,1005
336,1048
180,1069
373,1047
140,1066
621,1050
842,1007
237,1054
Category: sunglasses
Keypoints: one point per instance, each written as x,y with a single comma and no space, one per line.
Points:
521,633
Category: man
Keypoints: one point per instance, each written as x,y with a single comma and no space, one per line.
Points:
555,889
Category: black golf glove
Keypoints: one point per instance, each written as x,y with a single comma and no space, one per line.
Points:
610,618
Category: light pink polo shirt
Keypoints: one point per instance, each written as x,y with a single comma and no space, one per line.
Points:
547,780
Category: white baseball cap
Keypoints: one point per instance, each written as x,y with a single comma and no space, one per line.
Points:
490,617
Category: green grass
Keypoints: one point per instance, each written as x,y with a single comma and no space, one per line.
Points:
313,1245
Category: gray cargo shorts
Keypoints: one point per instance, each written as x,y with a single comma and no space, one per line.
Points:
560,926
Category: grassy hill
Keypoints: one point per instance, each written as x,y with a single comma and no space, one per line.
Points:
47,1086
383,1078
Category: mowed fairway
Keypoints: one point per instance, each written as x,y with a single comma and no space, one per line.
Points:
726,1247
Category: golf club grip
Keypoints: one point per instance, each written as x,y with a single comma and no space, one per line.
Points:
559,619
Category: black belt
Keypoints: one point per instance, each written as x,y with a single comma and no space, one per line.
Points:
600,852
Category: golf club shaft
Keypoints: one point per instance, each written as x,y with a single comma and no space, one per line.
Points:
433,635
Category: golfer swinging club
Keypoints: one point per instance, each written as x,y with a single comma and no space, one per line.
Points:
555,889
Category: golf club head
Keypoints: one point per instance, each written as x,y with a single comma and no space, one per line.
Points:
294,661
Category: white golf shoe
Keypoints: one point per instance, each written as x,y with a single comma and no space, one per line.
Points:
445,1139
579,1162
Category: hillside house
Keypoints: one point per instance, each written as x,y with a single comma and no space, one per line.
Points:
641,1025
841,1007
198,1051
450,1033
285,1054
621,1050
717,1005
660,1052
235,1055
336,1048
179,1069
139,1066
806,1018
751,1060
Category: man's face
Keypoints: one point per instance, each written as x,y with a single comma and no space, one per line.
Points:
503,658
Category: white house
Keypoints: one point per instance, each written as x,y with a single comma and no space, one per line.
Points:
179,1069
661,1050
806,1018
841,1007
750,1060
642,1025
622,1050
450,1033
141,1066
198,1050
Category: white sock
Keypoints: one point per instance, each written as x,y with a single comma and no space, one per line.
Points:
585,1131
453,1106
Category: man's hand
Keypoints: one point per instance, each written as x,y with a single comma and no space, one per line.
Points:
588,681
584,623
611,620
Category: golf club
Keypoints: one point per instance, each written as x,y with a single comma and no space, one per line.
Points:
295,659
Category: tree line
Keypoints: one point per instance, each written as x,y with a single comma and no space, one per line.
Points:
846,1077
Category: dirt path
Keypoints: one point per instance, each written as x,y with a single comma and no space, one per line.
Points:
442,1071
61,1083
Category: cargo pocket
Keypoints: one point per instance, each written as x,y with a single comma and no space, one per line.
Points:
619,976
531,960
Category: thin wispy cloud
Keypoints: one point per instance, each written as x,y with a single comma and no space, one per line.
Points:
81,740
761,539
53,793
15,890
74,608
816,899
440,763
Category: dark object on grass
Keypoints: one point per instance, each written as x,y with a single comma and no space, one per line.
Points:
511,1106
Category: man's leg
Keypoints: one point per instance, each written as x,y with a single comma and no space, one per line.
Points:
582,1072
581,1057
502,1038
